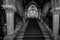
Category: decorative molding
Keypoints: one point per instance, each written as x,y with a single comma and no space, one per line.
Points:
9,8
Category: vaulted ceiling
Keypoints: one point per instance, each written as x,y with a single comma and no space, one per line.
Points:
40,2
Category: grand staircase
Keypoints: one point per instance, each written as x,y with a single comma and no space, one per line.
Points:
32,32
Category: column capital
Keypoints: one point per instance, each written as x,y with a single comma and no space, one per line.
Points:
55,6
55,10
9,8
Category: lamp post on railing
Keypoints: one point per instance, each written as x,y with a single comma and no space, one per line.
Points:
10,9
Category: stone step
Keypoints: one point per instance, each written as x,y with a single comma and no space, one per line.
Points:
33,36
20,35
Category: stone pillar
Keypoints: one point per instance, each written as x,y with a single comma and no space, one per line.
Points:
56,24
9,7
10,21
55,10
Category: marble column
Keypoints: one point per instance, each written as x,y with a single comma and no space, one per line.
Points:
10,9
56,24
55,10
10,21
